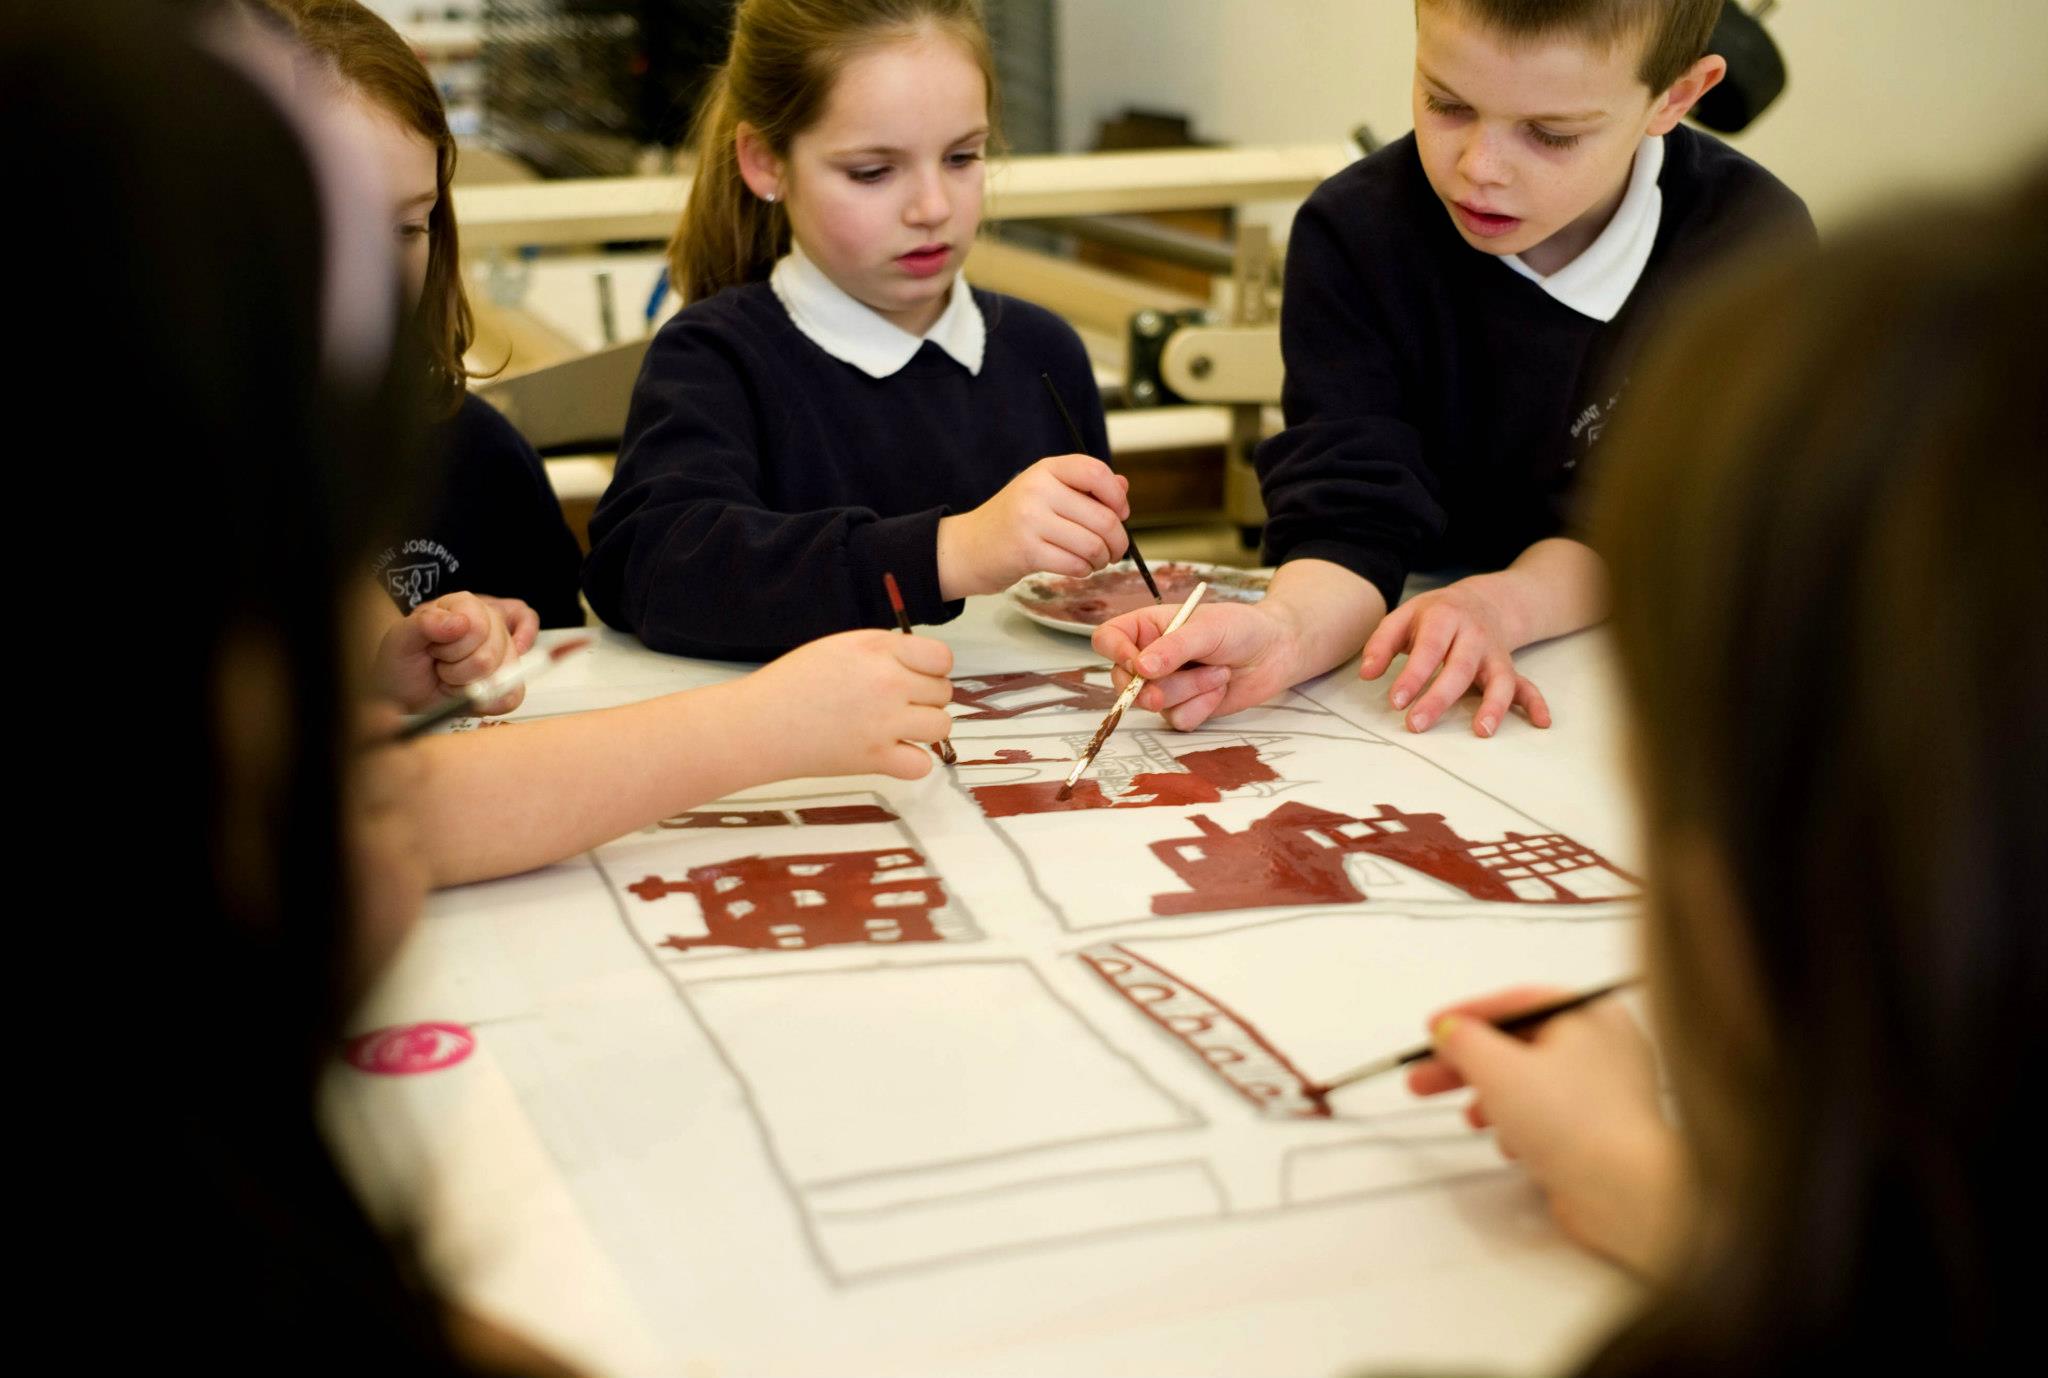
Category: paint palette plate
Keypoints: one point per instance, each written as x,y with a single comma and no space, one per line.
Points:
1080,605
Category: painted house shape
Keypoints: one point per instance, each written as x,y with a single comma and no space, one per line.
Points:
1300,854
824,815
817,899
1032,691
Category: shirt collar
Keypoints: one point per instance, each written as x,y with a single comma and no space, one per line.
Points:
1598,281
854,333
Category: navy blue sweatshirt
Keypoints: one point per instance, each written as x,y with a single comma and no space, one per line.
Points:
763,486
1438,403
494,525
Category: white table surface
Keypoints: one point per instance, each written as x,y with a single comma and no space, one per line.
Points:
530,1212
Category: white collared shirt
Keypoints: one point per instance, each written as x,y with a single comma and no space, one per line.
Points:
1598,281
855,333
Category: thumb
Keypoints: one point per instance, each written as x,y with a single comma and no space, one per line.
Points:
1199,638
441,625
1477,1051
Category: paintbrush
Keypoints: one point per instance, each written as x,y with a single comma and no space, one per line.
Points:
1144,570
1514,1023
942,746
1123,701
475,698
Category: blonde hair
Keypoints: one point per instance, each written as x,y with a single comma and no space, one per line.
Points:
777,76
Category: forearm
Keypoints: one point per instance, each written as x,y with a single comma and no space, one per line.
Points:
1329,610
510,798
1554,587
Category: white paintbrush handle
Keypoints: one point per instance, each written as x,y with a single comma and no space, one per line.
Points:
1138,682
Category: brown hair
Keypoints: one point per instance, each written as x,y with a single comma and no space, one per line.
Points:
1676,32
777,77
367,55
1826,541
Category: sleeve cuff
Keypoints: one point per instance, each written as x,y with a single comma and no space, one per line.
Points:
907,547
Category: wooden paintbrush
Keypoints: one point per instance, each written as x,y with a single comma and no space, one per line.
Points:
1123,701
942,746
1514,1023
474,698
1073,431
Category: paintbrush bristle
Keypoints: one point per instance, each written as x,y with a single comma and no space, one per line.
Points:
1066,792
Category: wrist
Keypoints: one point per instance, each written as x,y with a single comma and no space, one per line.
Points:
957,578
1509,594
1650,1195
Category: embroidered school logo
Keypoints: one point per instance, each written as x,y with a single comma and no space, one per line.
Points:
419,579
1588,424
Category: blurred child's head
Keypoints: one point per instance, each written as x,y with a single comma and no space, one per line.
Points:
388,101
856,127
1824,514
237,474
1528,113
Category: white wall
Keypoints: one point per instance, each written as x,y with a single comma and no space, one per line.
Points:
1885,95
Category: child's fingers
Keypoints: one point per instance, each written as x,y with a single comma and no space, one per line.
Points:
904,761
1461,666
1199,638
1117,640
1083,510
1078,540
1481,1054
521,622
1052,558
1182,685
1499,697
1433,637
480,664
1188,716
1386,642
923,724
924,654
1430,1077
1089,475
1530,700
460,648
439,624
512,699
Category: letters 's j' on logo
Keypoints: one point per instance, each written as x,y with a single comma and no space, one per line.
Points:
413,585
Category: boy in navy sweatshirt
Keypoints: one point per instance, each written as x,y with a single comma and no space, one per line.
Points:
1461,311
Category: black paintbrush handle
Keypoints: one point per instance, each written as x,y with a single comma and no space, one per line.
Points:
1080,448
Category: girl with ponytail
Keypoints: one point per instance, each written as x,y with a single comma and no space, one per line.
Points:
835,402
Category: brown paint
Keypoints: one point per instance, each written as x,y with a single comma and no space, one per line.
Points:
824,815
816,899
1231,1045
1205,776
1076,693
1095,598
1295,855
1017,756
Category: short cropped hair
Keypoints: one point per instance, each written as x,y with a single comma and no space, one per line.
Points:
1675,33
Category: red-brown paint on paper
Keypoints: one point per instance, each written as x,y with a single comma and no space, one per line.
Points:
826,815
1056,691
816,899
1016,756
1204,778
1231,1045
1295,855
841,815
1037,796
409,1049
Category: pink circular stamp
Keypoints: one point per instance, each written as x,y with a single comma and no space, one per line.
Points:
408,1049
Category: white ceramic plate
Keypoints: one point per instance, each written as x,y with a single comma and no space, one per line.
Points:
1080,605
